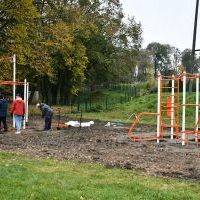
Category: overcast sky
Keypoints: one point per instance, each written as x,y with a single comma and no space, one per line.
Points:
165,21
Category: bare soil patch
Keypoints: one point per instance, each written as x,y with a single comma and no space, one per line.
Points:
109,146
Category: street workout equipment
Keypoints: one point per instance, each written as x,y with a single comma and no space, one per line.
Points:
171,106
14,83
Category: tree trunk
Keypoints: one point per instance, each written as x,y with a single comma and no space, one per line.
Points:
58,95
32,94
190,87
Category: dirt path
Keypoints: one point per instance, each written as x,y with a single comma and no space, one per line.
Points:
106,145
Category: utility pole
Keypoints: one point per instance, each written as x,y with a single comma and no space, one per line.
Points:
194,35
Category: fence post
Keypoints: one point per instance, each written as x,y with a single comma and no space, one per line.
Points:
78,104
86,105
135,91
90,100
106,102
121,99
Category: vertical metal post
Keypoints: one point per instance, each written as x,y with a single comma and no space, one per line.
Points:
27,98
197,107
24,120
14,80
183,108
158,107
172,109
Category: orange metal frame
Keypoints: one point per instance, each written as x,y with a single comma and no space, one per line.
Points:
135,138
59,125
166,110
194,132
12,83
166,107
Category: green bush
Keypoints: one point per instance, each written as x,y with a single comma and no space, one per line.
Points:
96,108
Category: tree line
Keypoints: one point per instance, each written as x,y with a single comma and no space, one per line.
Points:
63,45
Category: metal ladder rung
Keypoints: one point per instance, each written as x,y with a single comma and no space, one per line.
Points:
168,111
169,125
170,79
188,132
169,118
167,95
169,106
164,102
169,87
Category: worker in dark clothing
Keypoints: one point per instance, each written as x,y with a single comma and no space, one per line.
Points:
3,112
47,114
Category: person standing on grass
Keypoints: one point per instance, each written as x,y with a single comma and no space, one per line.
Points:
18,110
3,112
47,114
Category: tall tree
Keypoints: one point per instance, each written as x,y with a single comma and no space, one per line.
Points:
165,57
61,43
67,29
19,35
188,63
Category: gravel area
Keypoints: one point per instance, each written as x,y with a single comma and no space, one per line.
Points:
109,146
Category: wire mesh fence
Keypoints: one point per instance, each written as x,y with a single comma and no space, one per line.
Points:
105,102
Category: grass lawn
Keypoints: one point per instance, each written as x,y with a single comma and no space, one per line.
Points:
121,112
22,178
146,103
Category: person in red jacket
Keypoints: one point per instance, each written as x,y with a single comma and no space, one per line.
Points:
18,110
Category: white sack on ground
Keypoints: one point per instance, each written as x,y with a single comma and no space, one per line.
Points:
77,123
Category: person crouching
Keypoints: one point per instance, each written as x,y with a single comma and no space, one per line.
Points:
47,114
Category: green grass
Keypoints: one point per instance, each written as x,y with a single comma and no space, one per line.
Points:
27,178
121,112
146,103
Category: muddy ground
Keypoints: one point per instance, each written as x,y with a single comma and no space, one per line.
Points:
109,146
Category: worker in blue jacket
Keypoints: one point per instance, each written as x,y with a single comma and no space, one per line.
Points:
3,112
